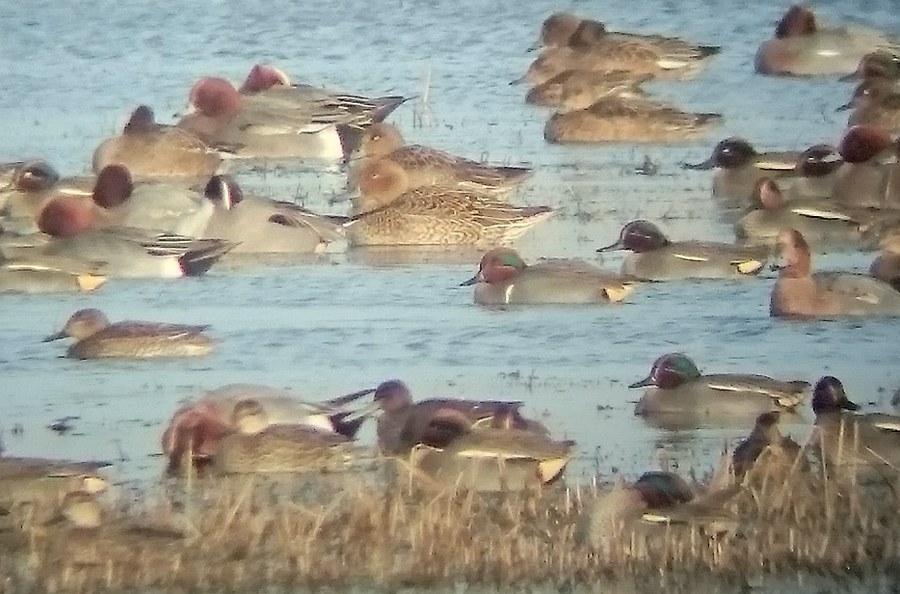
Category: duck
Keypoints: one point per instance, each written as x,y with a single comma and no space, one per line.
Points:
494,459
820,221
877,65
504,278
258,446
151,151
678,388
863,446
256,225
40,484
656,258
874,102
426,166
656,500
66,232
194,434
387,212
800,293
579,89
28,186
272,85
96,337
628,119
568,30
803,47
160,207
865,177
886,266
45,275
739,166
404,424
766,451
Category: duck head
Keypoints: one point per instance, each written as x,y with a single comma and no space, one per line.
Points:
819,160
215,97
556,30
81,324
380,139
796,22
65,217
669,371
794,252
35,175
263,77
729,153
829,396
223,191
142,121
113,186
863,143
497,265
393,395
380,183
638,236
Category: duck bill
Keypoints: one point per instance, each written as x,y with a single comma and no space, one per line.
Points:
850,77
844,107
342,401
57,336
519,80
611,248
472,281
647,381
704,166
847,404
535,46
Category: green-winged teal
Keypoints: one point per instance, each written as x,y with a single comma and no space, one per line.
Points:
43,483
678,388
258,446
864,446
617,50
802,47
656,498
151,151
426,166
739,166
197,428
494,459
875,102
798,292
877,65
387,212
766,451
504,278
44,275
655,258
579,89
436,422
822,222
867,176
27,186
628,119
886,265
96,337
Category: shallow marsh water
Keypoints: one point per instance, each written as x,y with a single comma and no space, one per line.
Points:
72,72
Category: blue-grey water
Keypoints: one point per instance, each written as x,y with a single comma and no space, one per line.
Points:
72,72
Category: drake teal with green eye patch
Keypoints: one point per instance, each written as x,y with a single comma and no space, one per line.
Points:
655,258
504,278
864,445
739,166
677,387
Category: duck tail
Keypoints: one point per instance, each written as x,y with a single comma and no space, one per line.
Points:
709,50
197,262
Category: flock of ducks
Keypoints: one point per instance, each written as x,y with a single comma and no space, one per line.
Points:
157,206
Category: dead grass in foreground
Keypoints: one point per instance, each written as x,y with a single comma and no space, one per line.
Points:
250,533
